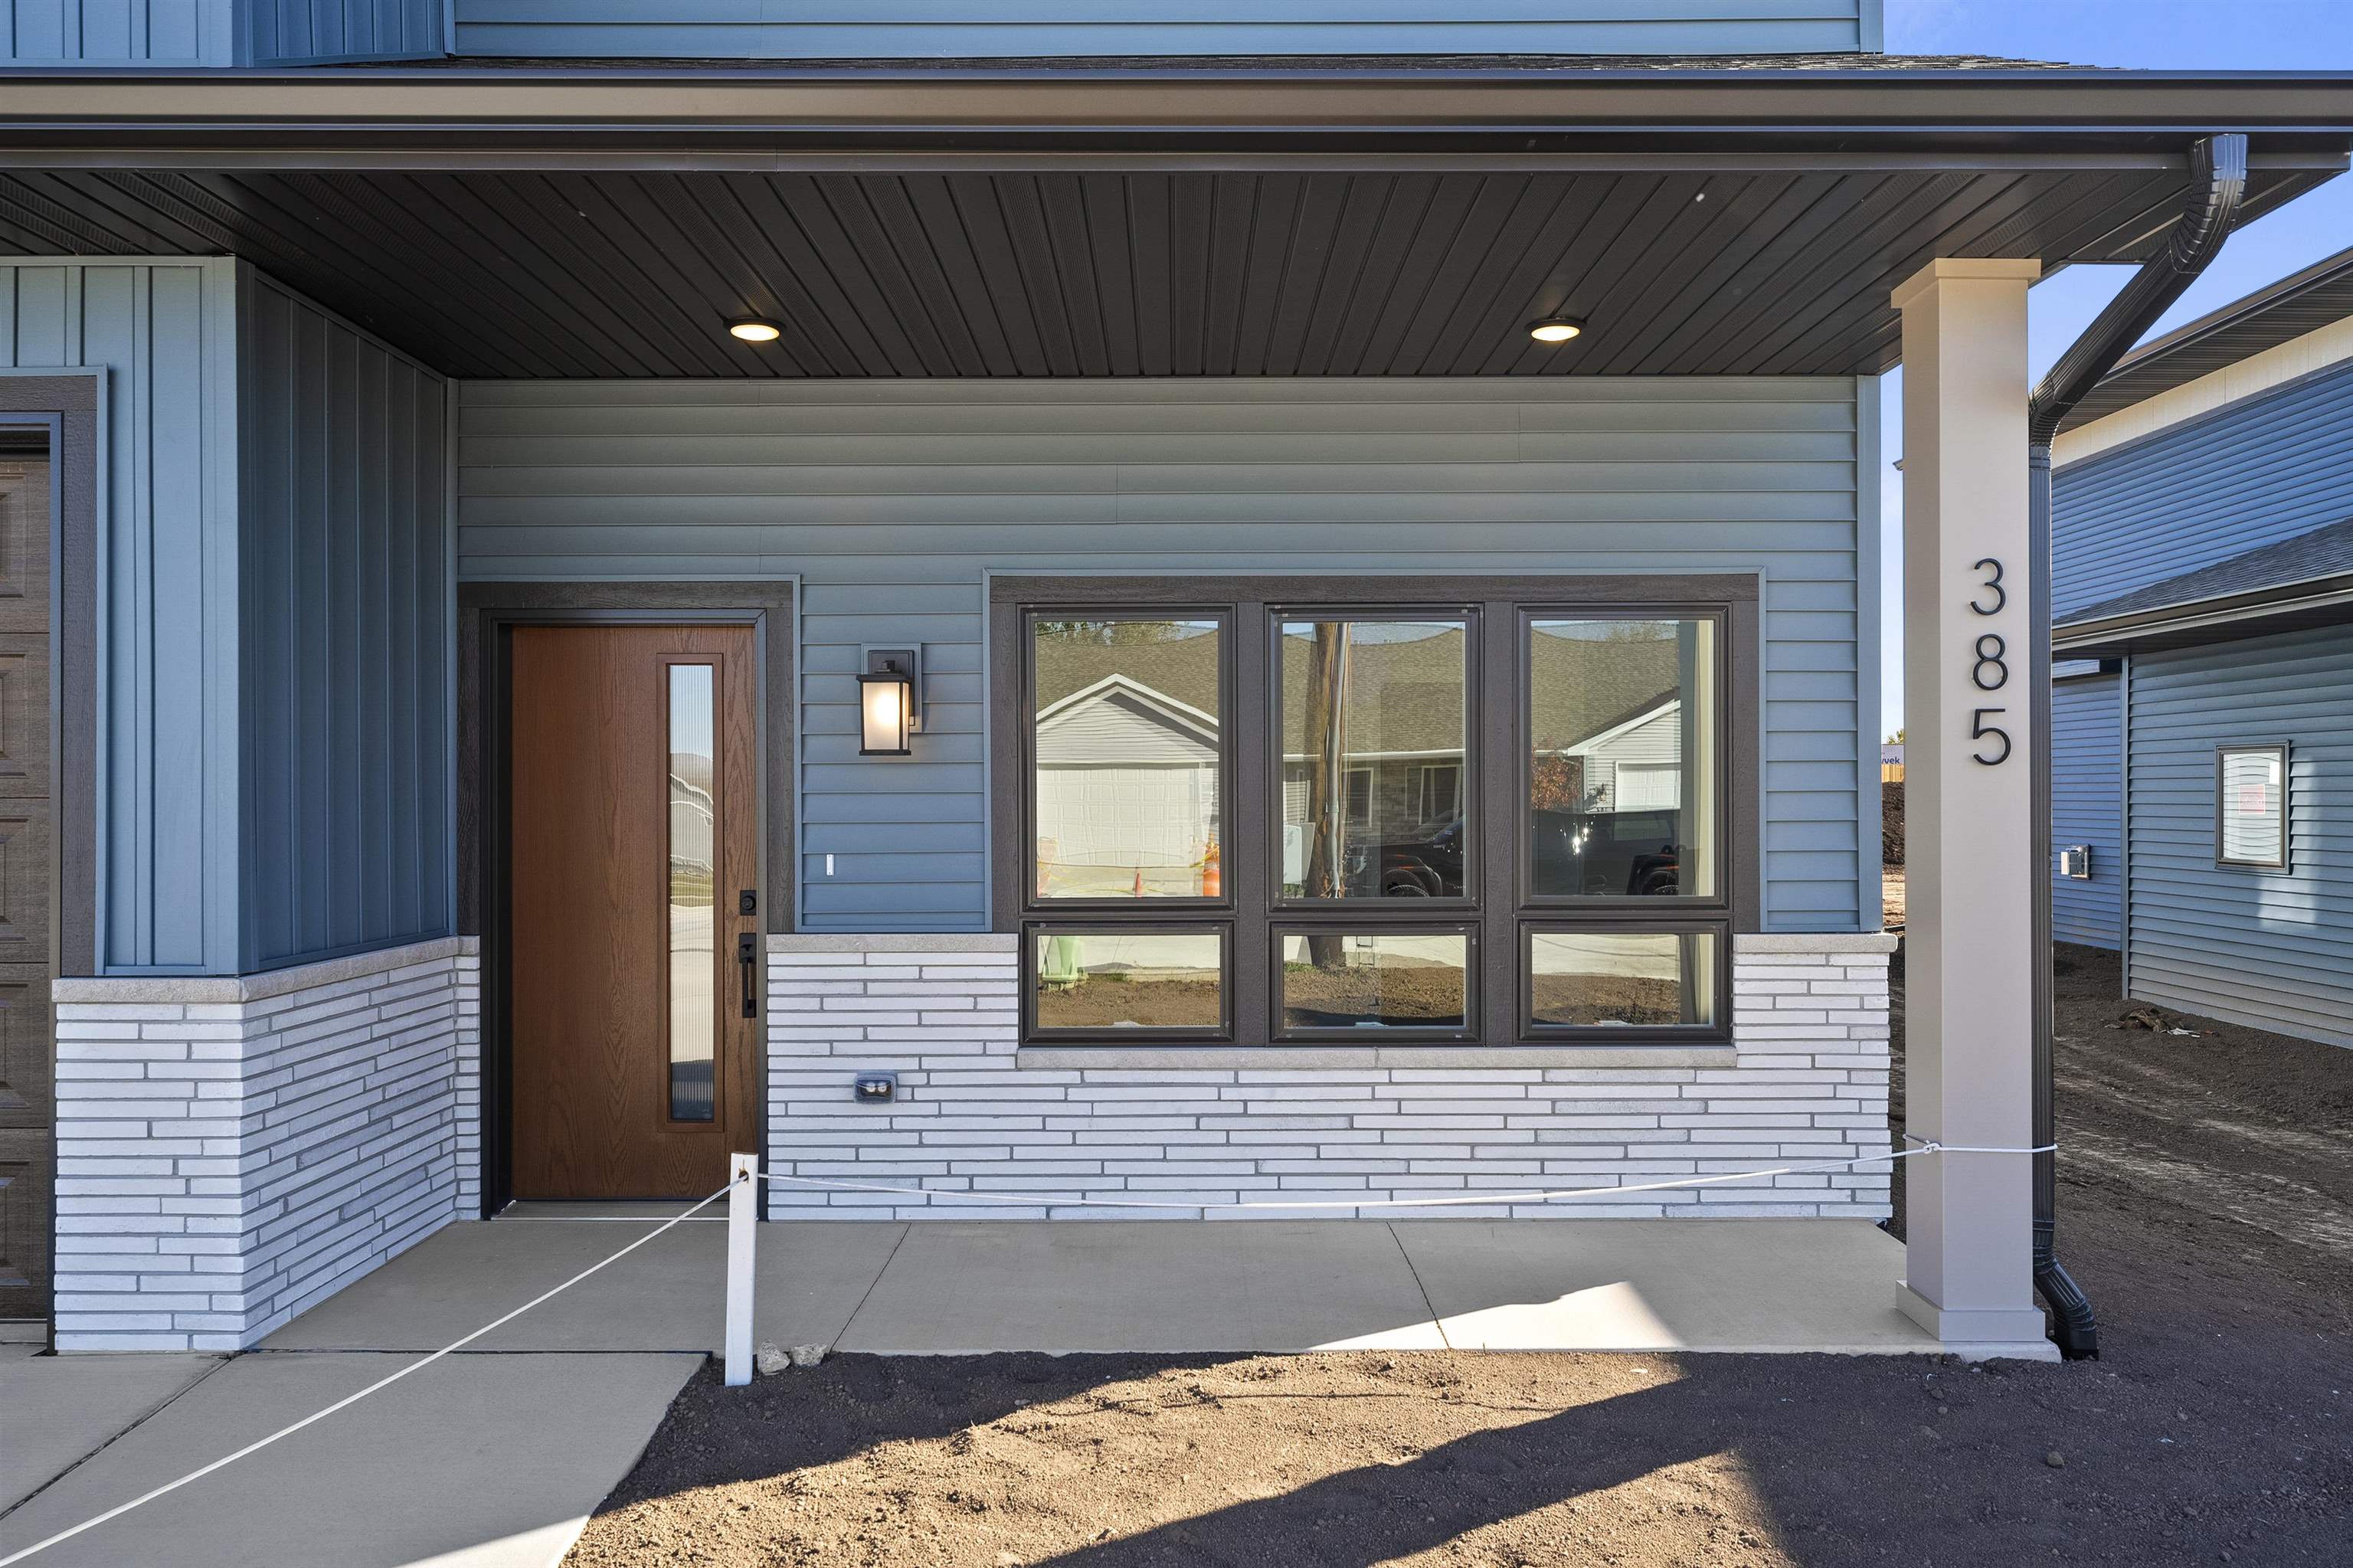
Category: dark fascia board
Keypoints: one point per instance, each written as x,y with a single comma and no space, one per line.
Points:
2284,607
391,114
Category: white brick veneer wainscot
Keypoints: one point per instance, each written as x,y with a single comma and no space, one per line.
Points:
1804,1079
229,1151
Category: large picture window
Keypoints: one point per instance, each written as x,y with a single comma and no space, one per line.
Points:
1309,816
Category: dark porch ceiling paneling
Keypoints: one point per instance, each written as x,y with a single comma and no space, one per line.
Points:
536,273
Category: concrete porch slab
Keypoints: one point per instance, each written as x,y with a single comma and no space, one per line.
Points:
1663,1285
1275,1285
61,1409
482,1461
669,1295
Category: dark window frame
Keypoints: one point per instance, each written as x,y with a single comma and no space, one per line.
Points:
2223,754
1032,931
1255,771
1720,982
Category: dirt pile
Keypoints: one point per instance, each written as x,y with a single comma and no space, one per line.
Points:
1891,824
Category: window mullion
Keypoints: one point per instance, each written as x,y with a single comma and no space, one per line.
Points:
1496,770
1255,802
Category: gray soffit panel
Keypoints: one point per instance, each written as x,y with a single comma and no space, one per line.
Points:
2318,296
529,273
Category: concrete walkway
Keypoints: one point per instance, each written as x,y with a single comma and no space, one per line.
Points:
495,1457
960,1286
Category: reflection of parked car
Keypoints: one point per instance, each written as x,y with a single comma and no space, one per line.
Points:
1596,853
1606,852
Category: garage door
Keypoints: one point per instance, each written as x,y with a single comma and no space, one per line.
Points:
1102,829
1648,786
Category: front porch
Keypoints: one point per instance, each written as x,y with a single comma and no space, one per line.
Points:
1315,403
952,1287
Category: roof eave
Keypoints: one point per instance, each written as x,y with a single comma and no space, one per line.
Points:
1758,112
2282,607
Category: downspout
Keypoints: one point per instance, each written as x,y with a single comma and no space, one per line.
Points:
2218,167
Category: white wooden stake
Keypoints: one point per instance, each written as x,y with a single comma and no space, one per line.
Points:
743,1215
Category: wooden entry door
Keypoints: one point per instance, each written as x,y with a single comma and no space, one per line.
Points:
634,973
27,1101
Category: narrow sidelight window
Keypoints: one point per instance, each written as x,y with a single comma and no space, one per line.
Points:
1364,980
692,907
2251,806
1630,981
1128,759
1374,713
1625,771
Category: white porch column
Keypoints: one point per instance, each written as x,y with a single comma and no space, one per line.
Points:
1968,804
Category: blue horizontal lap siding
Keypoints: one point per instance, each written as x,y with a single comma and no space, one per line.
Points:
2270,949
972,28
892,500
2266,469
2086,807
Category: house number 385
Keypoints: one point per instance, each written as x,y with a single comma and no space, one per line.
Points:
1991,670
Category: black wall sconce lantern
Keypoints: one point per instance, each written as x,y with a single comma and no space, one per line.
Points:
889,702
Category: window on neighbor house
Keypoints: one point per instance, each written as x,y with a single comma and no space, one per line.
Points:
1262,823
2251,822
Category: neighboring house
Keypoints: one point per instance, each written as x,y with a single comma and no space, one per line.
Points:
2202,595
658,557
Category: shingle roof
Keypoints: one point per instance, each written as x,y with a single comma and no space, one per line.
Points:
2324,552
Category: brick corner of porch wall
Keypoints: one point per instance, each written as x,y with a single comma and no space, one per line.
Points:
229,1149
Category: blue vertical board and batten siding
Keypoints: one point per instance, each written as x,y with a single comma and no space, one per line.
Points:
346,628
807,29
300,32
2271,949
2264,468
892,503
167,686
112,33
2086,808
273,773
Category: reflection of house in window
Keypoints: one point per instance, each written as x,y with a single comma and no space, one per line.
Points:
1634,762
1127,789
1440,786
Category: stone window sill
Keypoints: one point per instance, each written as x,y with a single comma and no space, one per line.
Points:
1345,1058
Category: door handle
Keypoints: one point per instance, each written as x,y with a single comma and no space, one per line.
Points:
747,958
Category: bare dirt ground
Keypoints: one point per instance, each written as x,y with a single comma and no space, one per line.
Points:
2206,1205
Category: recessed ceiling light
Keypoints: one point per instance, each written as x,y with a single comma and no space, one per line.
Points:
752,329
1556,329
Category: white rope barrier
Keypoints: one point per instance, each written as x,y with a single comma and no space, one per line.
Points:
350,1399
1077,1200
